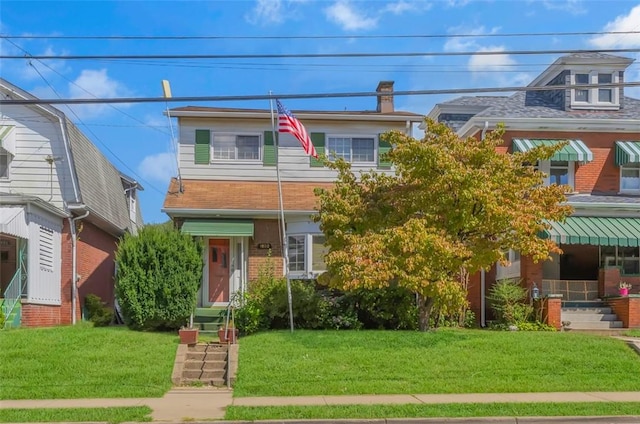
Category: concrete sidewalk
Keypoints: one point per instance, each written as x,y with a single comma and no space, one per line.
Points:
205,404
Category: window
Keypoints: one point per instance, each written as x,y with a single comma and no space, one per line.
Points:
236,147
630,177
606,97
5,160
306,254
46,249
352,149
626,258
559,173
133,212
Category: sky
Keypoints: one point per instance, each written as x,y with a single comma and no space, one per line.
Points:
137,138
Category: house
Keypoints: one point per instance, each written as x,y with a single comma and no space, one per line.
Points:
601,164
228,191
63,207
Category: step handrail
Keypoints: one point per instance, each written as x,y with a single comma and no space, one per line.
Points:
12,296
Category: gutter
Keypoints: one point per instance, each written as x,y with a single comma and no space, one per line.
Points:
223,213
74,256
300,115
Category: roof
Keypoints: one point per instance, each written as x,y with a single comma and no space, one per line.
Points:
534,104
259,196
100,182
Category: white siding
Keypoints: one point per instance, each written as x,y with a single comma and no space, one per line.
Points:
44,258
37,136
294,164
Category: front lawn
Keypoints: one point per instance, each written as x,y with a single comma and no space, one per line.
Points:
85,362
449,410
445,361
110,415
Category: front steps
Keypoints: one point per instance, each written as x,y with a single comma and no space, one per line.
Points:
589,315
205,364
208,320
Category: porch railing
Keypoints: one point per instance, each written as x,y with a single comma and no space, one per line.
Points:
576,290
12,296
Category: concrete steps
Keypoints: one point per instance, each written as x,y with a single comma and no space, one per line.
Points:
205,364
592,315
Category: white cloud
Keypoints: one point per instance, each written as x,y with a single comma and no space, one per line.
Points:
462,44
497,62
345,15
575,7
457,3
629,22
402,6
158,167
95,84
266,12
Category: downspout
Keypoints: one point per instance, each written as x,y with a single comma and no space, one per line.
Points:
483,300
74,258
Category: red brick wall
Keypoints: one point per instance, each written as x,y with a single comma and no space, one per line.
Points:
627,309
599,176
552,312
265,231
95,266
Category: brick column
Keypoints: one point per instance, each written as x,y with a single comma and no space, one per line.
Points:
608,279
552,310
627,308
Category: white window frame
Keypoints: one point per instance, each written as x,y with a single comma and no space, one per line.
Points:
236,135
628,167
545,167
133,206
512,268
308,272
352,136
594,91
9,156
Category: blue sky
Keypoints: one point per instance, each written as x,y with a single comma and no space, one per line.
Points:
136,138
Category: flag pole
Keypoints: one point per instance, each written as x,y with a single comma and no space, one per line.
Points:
285,244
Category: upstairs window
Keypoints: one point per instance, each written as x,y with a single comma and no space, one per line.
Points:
5,161
236,147
353,149
559,172
630,177
594,97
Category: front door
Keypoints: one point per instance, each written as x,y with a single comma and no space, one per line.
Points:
7,262
219,270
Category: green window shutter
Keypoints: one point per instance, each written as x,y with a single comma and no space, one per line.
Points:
383,148
318,142
202,147
269,149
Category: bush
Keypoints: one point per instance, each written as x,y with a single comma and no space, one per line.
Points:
159,274
97,312
507,301
2,318
391,308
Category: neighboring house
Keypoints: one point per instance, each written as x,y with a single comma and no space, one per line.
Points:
63,207
601,164
228,193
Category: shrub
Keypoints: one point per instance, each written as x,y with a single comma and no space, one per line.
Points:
392,308
159,274
2,319
507,301
97,312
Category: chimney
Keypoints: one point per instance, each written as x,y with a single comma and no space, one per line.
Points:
385,101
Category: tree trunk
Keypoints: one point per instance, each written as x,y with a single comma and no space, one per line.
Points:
425,304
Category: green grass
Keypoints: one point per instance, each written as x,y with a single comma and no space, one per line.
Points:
430,410
632,333
111,415
445,361
85,362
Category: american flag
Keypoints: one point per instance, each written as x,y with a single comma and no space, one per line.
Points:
287,123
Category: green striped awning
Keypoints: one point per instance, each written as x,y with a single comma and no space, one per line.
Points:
218,227
575,151
595,231
627,152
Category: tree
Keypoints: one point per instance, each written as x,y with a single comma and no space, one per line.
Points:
159,274
452,208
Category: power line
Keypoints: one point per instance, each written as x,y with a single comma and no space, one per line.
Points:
307,37
312,95
317,55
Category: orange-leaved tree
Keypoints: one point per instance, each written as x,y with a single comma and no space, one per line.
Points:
451,208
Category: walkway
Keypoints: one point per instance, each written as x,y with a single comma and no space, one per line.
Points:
204,404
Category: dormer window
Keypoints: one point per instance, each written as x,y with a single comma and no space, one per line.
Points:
594,97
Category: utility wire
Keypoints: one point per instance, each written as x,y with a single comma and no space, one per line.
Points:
317,55
306,37
313,95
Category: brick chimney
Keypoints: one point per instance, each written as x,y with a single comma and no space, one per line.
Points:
385,98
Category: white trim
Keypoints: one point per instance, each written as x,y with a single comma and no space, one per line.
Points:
594,101
630,166
316,116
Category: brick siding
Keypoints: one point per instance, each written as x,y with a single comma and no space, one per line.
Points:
266,231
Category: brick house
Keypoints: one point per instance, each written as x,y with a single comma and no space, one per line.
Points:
601,240
228,193
63,207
